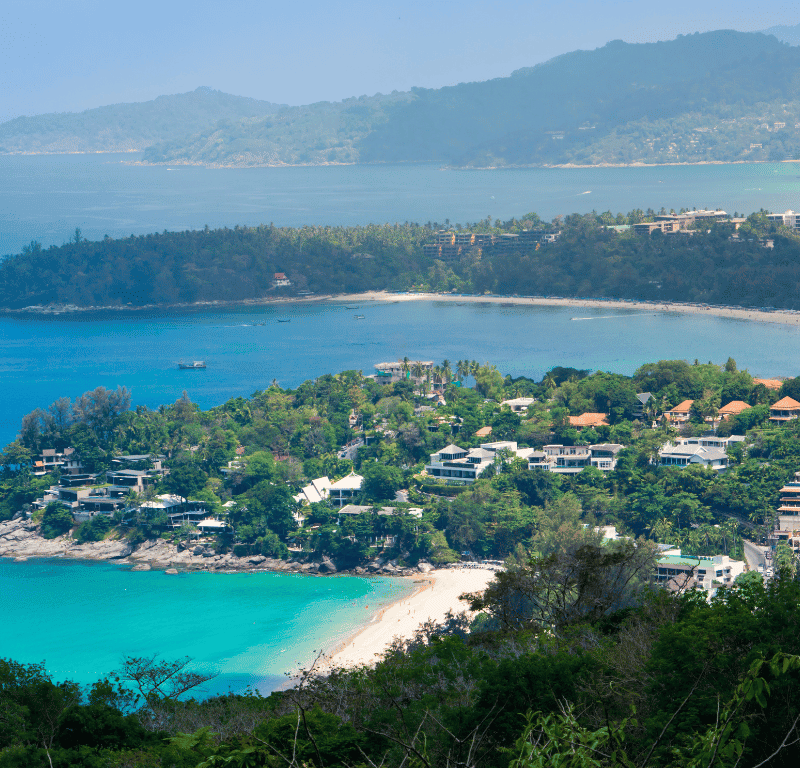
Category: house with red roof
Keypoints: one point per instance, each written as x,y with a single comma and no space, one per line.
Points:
733,408
784,410
680,413
589,420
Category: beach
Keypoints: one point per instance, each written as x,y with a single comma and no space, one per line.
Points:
785,317
436,593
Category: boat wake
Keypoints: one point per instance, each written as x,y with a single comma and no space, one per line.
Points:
609,317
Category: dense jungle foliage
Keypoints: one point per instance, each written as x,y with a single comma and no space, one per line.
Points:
574,658
588,260
646,680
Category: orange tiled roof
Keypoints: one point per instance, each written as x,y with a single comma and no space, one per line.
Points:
785,404
683,407
589,420
733,407
483,432
769,383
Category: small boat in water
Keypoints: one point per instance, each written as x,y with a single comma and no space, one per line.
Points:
358,317
286,320
196,365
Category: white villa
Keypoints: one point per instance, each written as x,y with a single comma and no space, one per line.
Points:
571,459
466,465
708,451
316,490
343,491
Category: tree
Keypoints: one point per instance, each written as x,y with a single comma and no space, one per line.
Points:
158,680
56,521
581,584
185,479
381,482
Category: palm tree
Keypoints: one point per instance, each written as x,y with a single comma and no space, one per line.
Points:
447,373
437,375
462,369
474,367
405,366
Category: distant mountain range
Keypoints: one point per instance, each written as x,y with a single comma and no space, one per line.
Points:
126,127
713,97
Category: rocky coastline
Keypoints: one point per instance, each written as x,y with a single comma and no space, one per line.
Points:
21,540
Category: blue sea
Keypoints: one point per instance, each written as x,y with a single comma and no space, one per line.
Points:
46,197
80,618
251,628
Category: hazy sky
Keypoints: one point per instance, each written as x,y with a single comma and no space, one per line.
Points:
70,55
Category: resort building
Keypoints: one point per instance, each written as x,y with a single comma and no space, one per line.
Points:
391,373
571,459
773,384
733,408
316,491
67,462
280,280
706,573
589,420
519,404
680,413
462,465
690,451
345,490
786,219
784,410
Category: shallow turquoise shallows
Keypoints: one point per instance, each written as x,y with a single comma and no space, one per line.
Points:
81,617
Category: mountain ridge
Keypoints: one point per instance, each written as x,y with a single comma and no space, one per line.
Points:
720,96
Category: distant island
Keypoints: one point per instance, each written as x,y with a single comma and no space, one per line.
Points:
720,96
707,257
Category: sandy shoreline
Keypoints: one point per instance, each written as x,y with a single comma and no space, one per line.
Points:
437,593
786,317
780,316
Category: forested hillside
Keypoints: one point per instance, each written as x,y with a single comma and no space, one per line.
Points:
697,98
125,127
717,96
589,260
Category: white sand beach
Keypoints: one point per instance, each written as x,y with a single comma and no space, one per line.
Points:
437,594
657,307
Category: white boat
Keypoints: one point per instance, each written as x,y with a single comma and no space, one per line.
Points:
193,366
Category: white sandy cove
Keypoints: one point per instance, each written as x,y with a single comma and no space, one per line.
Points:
437,594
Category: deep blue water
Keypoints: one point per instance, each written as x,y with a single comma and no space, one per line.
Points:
46,197
42,359
82,617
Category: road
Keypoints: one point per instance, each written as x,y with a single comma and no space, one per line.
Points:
754,554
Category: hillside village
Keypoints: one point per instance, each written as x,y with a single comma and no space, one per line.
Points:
409,468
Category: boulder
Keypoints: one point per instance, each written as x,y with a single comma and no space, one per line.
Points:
142,567
20,559
310,568
327,566
171,571
424,567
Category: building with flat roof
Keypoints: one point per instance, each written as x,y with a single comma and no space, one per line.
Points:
706,573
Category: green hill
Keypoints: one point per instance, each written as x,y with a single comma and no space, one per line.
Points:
125,127
714,96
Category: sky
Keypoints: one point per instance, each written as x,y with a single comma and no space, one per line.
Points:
71,55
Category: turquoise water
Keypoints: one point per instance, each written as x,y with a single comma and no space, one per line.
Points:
82,617
45,197
42,359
